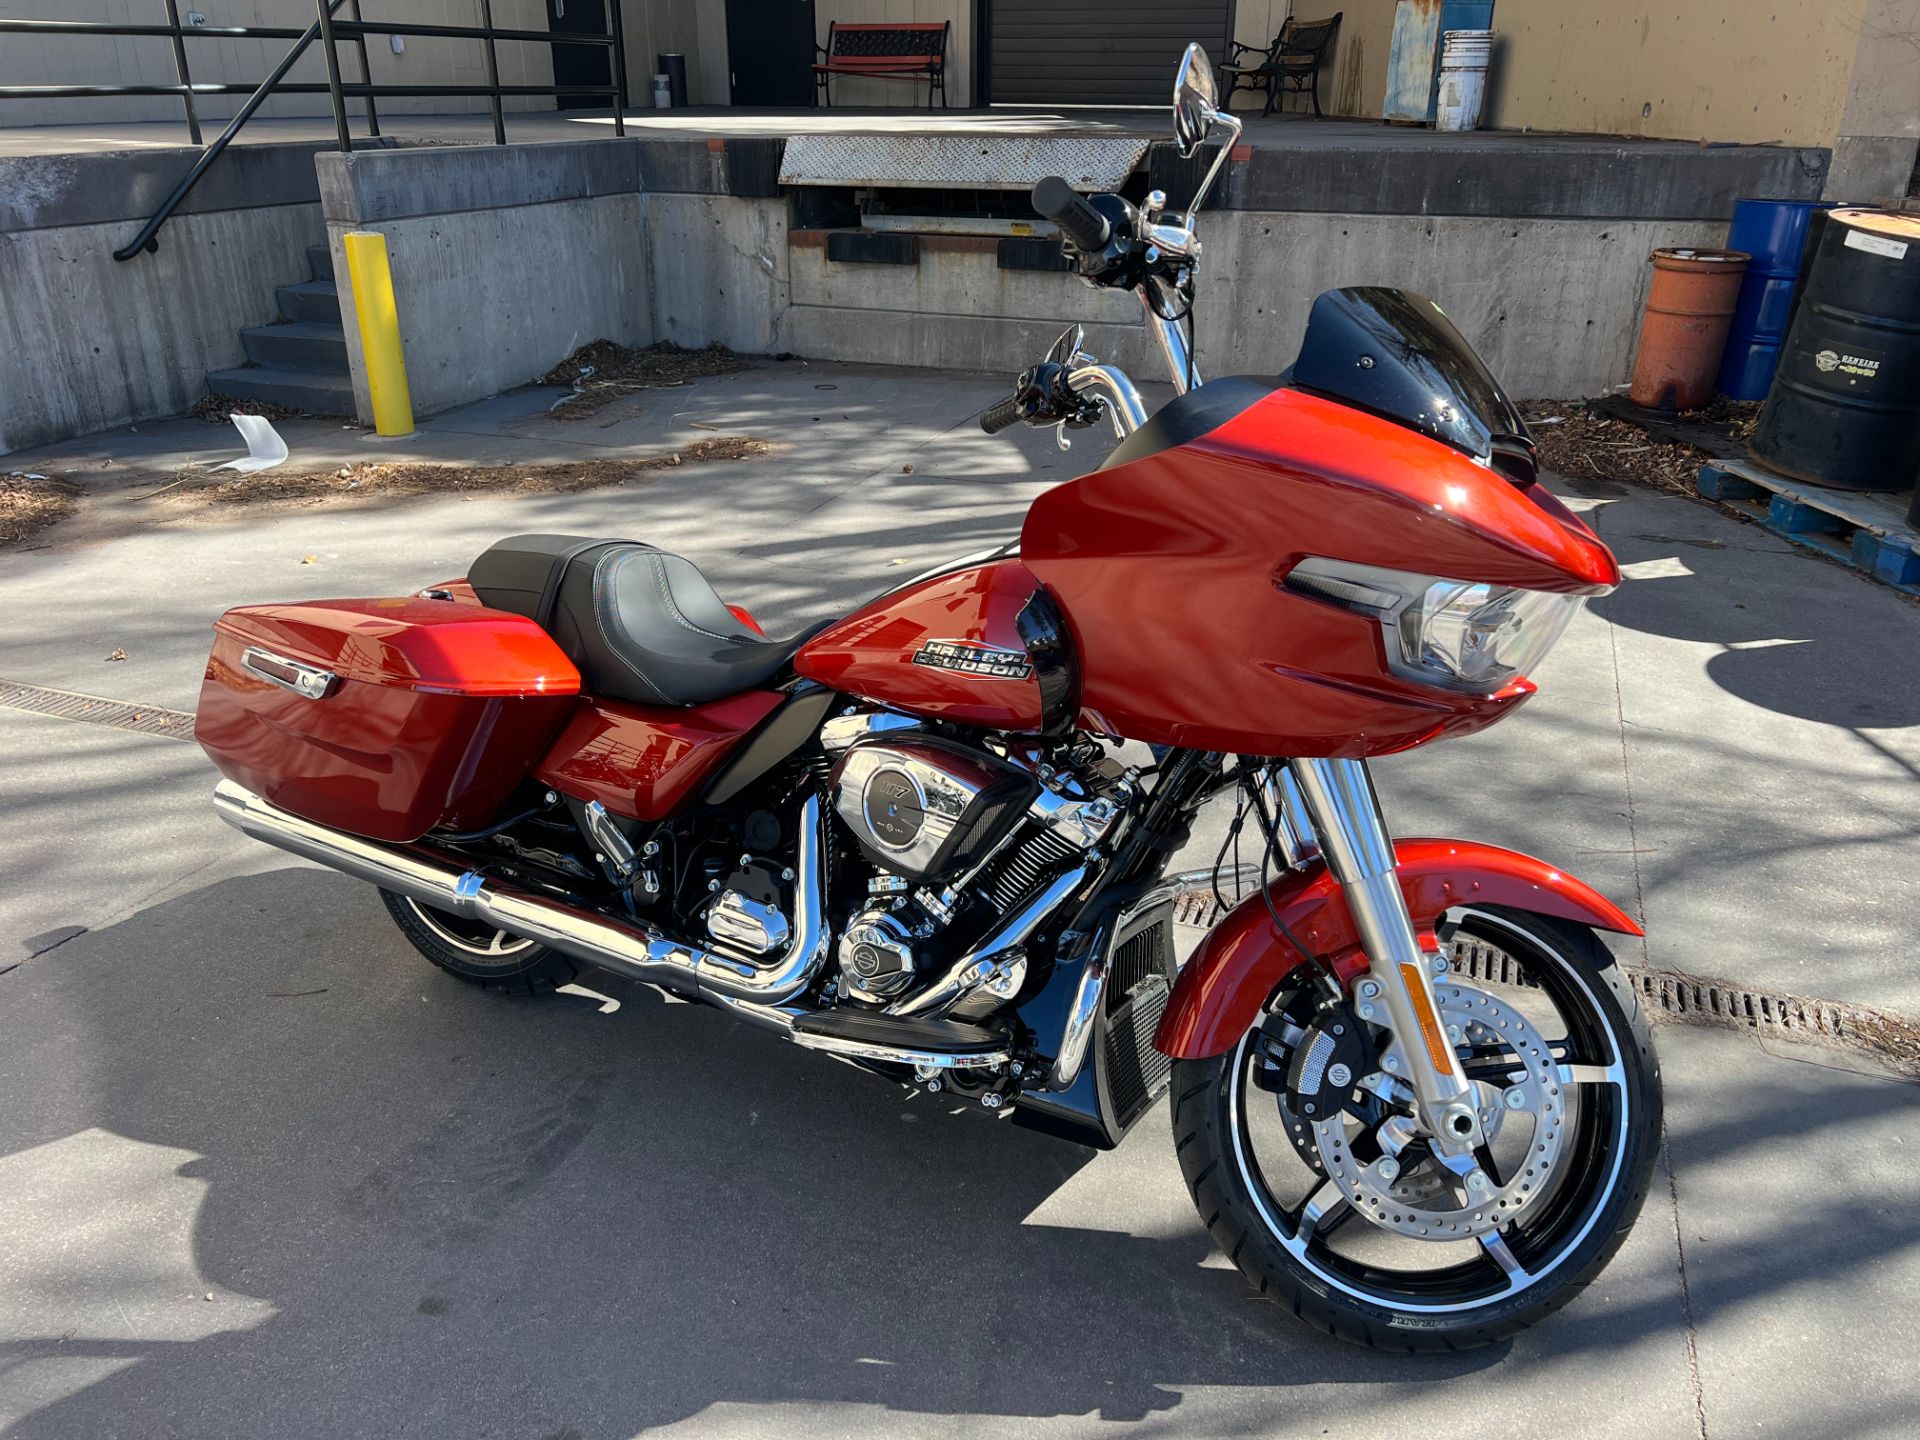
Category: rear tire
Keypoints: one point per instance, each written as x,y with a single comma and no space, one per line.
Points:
480,955
1213,1140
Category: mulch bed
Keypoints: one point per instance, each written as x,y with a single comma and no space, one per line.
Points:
601,372
379,480
1583,442
216,409
28,506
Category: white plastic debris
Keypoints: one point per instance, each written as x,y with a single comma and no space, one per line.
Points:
265,448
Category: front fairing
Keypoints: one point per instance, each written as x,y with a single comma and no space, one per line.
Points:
1171,567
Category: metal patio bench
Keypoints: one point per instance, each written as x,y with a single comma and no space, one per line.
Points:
884,50
1293,62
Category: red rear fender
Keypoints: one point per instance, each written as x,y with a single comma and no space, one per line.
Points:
1244,958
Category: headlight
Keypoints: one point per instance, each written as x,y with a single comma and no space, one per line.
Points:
1458,634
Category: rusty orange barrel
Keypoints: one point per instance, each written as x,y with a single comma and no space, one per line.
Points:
1689,306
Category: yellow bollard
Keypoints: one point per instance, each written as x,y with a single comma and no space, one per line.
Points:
379,321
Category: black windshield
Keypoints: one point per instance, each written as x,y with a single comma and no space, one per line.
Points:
1394,353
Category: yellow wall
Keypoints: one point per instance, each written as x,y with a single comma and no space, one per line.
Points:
1733,70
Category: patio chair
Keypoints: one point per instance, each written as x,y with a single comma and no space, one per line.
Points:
1293,62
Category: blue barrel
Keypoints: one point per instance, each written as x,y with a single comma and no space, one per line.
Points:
1774,233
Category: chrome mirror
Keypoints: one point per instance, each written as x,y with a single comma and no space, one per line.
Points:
1196,103
1070,343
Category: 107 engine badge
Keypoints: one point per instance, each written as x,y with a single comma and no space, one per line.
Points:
973,659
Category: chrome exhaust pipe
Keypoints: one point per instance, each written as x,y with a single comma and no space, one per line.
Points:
747,988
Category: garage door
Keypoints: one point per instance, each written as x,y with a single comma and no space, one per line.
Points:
1095,52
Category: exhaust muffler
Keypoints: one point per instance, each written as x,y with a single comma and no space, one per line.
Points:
741,986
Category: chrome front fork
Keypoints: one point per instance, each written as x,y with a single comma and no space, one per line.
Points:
1397,990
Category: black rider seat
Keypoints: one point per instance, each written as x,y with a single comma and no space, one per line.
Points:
641,624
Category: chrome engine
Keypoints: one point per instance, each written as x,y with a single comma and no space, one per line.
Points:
876,955
922,807
953,830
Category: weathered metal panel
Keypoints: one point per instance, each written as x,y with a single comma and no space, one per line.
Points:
1413,61
961,162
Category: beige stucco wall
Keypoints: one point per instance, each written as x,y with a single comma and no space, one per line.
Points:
1714,70
1730,70
148,60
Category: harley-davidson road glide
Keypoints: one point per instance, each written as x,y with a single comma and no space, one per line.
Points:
1411,1092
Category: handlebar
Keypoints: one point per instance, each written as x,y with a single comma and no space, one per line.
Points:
1006,413
1118,247
1079,221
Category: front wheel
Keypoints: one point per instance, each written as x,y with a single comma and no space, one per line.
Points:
1308,1170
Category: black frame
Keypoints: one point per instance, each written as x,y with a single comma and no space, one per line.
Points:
330,32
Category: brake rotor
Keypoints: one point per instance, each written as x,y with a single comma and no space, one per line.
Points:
1425,1201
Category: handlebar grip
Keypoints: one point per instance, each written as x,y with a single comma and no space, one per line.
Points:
1083,225
1006,413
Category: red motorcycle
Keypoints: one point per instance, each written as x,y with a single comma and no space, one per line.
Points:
1412,1093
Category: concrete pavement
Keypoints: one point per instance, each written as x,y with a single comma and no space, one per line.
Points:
420,1209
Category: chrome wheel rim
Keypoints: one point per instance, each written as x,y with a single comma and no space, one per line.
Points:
1502,1262
474,938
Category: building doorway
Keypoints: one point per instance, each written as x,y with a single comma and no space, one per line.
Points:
770,51
580,64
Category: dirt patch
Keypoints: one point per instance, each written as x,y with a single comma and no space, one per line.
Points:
30,503
1581,443
600,372
380,480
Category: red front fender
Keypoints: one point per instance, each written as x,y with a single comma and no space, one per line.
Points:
1244,958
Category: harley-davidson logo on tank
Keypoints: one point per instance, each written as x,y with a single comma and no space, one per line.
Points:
974,659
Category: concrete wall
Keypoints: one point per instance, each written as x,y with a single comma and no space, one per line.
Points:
955,309
87,342
1521,241
1723,70
1553,306
147,60
505,258
1873,155
719,270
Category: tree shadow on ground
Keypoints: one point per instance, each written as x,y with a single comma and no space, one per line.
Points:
440,1211
1799,636
483,1214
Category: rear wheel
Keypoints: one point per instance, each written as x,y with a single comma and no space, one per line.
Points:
1313,1180
477,953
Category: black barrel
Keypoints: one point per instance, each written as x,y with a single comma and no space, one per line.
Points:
1845,406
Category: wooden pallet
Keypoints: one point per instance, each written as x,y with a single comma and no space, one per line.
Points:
1867,531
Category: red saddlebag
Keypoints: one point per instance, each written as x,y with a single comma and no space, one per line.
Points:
385,718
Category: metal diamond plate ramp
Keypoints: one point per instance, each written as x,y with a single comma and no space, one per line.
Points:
962,162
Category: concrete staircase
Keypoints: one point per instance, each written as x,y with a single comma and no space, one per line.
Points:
300,362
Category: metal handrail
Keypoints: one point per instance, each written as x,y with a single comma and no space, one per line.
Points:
148,238
329,32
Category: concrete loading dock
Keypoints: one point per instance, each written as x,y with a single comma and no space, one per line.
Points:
507,257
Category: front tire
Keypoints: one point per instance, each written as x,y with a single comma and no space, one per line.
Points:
1459,1292
478,954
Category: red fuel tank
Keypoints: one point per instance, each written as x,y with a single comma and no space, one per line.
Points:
979,646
